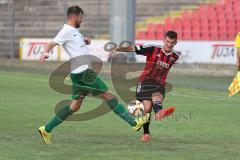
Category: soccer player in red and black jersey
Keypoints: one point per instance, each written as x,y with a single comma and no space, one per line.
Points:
150,89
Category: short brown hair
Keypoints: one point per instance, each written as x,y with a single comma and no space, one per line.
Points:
171,34
74,10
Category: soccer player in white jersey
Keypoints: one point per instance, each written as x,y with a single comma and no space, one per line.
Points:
82,76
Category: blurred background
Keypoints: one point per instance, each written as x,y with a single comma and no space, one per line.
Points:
206,30
195,20
206,122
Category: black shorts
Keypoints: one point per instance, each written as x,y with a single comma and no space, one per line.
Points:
146,88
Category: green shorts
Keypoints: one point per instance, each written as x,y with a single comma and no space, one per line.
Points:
87,82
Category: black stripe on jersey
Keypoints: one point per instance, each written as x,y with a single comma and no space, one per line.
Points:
154,62
162,55
168,61
162,58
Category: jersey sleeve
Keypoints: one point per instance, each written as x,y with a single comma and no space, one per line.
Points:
177,54
237,41
61,37
144,50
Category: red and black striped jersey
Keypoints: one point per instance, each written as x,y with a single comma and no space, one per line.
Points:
158,63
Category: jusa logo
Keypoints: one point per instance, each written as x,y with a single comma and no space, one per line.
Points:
162,64
36,48
223,51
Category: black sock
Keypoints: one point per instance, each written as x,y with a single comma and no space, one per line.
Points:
146,128
157,106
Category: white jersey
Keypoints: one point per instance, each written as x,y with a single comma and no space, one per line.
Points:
74,44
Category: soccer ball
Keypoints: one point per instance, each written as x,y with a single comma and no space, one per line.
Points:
136,108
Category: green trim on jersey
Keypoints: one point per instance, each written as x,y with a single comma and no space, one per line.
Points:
87,82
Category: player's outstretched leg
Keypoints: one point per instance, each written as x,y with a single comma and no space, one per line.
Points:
147,109
146,133
160,113
60,116
123,113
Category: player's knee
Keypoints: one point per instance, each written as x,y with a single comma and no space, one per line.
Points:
76,105
107,96
147,106
75,108
157,97
157,100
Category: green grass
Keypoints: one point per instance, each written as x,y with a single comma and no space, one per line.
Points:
211,131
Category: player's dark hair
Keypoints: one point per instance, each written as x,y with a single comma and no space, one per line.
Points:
171,34
74,10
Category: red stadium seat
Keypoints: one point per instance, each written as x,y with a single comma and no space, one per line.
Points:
196,28
223,28
186,35
168,27
222,36
141,35
213,35
187,27
196,35
213,28
151,27
177,22
150,35
203,8
195,15
195,21
159,27
220,21
159,32
204,21
213,23
178,28
160,35
186,21
186,14
204,28
237,25
231,35
219,9
204,35
231,21
210,8
168,21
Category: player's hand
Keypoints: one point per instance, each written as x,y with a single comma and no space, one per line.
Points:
87,40
112,52
43,57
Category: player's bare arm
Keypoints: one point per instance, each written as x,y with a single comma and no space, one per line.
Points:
126,49
87,40
130,48
47,49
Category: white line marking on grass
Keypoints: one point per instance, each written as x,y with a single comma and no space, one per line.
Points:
25,78
209,97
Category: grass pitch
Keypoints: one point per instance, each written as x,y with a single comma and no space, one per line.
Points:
205,125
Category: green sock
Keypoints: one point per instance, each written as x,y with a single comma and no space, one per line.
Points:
121,111
60,116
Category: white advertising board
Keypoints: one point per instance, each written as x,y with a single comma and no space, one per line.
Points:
212,52
31,49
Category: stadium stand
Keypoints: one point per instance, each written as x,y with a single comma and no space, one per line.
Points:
43,19
219,21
